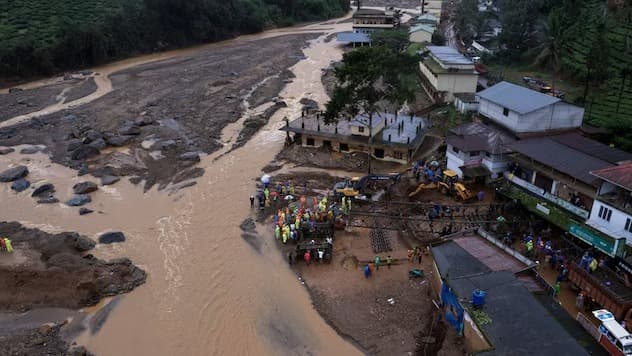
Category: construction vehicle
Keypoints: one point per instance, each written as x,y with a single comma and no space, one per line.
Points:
449,184
356,187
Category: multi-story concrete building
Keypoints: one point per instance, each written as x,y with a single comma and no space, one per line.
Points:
611,213
445,72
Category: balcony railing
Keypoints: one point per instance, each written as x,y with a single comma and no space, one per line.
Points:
548,196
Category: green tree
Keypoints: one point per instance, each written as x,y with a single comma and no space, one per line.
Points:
369,78
549,51
394,40
467,20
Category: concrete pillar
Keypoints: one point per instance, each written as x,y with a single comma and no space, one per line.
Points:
533,177
554,187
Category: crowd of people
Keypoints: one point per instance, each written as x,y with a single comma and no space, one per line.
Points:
431,171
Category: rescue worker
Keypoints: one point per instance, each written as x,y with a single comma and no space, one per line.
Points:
252,202
389,260
277,232
7,245
367,271
593,265
307,257
556,290
377,262
2,246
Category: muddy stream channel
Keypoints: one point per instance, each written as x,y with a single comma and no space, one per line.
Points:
208,291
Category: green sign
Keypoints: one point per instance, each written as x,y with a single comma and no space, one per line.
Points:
605,244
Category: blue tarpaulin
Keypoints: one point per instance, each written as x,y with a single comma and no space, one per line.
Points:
452,307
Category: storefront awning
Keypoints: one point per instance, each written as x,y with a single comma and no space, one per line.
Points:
478,170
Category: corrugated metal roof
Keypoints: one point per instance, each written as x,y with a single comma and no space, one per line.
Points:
353,37
562,158
428,17
425,28
593,148
517,98
476,136
448,55
620,175
507,301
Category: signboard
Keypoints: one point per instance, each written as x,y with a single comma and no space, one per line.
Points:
543,209
606,245
546,195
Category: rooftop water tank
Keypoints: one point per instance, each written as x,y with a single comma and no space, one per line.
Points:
478,298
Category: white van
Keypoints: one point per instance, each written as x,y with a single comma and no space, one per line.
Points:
614,337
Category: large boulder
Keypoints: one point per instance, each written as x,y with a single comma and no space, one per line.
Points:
84,152
99,144
30,150
5,151
84,188
111,237
190,157
73,145
43,190
129,129
20,185
91,136
14,173
79,200
117,141
108,180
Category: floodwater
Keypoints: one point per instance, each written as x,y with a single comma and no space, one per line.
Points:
208,291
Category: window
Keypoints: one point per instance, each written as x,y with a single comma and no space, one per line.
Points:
628,225
475,153
344,147
505,111
361,129
310,142
487,154
398,155
605,213
455,150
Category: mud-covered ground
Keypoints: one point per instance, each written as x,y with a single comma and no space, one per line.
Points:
159,110
54,271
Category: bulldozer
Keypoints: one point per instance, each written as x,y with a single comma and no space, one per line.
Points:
356,186
449,184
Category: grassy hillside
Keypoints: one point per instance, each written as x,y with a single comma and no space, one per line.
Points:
40,37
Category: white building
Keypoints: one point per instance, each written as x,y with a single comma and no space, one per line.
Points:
446,72
523,110
611,212
421,33
478,150
465,102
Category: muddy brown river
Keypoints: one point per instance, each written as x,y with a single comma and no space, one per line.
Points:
208,291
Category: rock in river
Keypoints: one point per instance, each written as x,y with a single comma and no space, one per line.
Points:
84,211
99,144
14,173
84,188
29,150
79,200
48,200
108,180
111,237
190,157
5,151
44,189
20,185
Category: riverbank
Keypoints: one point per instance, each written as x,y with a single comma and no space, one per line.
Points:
53,271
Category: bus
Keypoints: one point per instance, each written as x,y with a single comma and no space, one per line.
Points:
614,338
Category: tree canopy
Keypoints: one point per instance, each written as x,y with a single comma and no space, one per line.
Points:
368,78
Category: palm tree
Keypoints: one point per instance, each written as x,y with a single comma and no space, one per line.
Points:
550,49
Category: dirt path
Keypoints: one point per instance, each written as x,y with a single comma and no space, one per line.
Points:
208,291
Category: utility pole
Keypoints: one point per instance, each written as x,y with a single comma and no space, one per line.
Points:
369,143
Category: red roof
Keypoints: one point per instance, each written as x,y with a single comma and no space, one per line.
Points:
620,175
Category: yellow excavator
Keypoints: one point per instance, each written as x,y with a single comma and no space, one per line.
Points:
448,185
